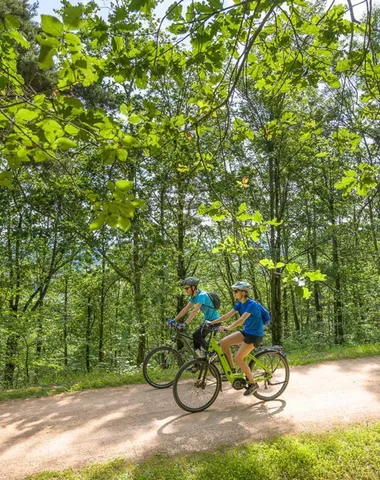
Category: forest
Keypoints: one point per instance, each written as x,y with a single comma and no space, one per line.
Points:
230,141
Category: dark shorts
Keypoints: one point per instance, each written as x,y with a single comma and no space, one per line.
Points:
256,340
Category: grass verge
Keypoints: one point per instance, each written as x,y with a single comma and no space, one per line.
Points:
103,379
352,453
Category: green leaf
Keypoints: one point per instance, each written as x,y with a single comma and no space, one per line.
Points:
257,217
138,5
293,268
65,143
316,276
124,185
256,235
19,38
135,118
51,25
306,292
97,223
25,115
48,40
72,17
275,222
128,141
124,223
45,60
71,129
122,154
11,22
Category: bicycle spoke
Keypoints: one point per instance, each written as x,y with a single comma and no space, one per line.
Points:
160,366
272,374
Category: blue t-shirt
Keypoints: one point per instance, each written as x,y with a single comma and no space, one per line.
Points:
207,308
253,325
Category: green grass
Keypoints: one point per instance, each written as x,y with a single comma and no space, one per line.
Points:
305,357
103,379
353,453
75,384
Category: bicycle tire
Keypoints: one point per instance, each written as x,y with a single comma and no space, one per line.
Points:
184,386
276,362
155,367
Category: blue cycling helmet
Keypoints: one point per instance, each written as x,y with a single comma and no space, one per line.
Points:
241,286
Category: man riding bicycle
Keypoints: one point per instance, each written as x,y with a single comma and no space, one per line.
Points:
201,302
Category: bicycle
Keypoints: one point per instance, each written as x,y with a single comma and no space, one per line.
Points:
162,363
198,381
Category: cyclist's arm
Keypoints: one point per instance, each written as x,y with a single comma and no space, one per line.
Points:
183,312
193,313
224,317
238,322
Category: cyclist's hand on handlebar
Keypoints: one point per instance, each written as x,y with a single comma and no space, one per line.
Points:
171,321
180,326
222,329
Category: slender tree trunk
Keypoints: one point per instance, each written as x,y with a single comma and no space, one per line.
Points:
40,332
285,311
297,324
338,304
137,274
15,282
374,235
65,321
275,243
181,229
88,334
312,222
102,308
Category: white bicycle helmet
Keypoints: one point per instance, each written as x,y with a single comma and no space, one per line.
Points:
241,286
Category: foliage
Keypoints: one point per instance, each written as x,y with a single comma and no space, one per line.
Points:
222,142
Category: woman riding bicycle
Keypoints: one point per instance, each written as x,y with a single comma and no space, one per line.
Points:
249,337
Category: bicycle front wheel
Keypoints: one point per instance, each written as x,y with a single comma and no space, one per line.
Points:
196,385
161,365
273,378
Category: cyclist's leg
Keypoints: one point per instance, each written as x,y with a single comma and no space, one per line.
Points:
197,338
244,350
235,338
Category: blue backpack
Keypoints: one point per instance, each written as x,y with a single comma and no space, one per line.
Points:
265,315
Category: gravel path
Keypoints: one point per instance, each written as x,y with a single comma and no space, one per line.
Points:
74,430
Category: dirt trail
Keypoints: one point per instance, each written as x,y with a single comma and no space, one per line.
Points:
74,430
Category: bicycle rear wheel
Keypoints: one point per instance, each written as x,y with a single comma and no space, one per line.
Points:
161,365
196,385
274,378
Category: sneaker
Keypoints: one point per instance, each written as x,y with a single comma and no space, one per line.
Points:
194,369
198,353
252,388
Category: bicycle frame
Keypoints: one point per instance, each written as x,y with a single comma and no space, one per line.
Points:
214,347
185,340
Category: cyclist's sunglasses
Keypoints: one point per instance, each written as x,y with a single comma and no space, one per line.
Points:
235,291
187,288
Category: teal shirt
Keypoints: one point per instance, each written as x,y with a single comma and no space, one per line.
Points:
207,308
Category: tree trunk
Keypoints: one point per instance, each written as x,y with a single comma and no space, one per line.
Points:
102,307
181,267
65,320
15,282
275,243
88,334
338,310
